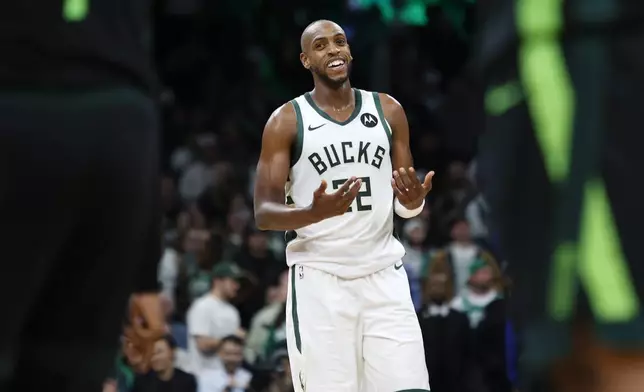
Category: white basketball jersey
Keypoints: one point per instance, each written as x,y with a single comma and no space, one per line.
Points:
361,241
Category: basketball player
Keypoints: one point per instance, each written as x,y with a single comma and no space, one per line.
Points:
330,155
79,192
559,156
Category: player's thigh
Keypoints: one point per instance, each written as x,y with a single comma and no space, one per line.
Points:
40,189
392,345
322,328
79,313
621,159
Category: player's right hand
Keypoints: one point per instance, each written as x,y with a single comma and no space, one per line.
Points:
327,205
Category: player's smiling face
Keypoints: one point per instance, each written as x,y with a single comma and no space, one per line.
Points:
328,55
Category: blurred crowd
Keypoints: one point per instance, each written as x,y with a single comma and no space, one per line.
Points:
224,67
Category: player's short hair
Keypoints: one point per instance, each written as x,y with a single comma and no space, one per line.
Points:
306,29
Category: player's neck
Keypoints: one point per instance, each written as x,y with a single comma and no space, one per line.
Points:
328,97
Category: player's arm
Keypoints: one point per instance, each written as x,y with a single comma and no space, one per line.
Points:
409,191
271,212
397,119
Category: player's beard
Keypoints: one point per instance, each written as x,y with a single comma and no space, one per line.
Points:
333,84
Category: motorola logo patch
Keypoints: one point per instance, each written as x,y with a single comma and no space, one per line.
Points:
368,120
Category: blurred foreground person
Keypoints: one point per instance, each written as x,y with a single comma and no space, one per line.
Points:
559,155
80,182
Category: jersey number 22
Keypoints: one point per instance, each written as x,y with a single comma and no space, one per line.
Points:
361,206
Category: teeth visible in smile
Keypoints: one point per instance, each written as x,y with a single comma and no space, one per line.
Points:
336,63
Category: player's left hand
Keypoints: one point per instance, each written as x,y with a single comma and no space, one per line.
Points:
408,189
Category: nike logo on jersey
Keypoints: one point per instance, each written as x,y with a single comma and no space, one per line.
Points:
314,128
398,266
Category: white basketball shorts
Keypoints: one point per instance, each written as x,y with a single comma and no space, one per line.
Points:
359,335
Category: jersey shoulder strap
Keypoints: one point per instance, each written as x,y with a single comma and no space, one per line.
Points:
296,145
372,115
375,98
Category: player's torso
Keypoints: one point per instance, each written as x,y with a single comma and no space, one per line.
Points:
334,151
75,44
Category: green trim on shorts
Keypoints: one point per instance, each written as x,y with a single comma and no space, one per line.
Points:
296,319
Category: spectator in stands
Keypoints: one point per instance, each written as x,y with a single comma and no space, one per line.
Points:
197,254
459,255
477,212
126,365
447,339
164,377
169,273
281,380
110,385
452,201
256,258
198,262
199,174
484,306
212,317
231,377
416,258
238,220
268,326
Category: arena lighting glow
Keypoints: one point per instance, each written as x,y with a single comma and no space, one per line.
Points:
413,11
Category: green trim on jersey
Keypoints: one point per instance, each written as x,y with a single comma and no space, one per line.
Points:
294,315
290,236
296,148
381,115
356,109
